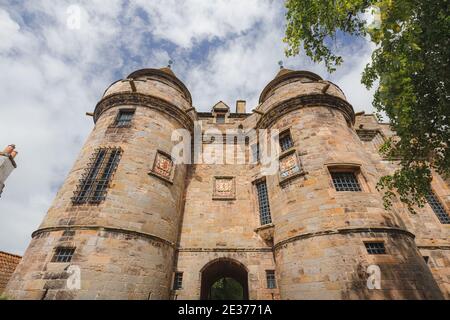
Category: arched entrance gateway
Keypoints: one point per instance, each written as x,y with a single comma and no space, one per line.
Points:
224,279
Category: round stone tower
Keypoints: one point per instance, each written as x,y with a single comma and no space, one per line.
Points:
113,226
333,239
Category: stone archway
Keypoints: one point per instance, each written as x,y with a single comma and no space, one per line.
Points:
224,271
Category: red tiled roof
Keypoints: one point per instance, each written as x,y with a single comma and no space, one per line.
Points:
8,263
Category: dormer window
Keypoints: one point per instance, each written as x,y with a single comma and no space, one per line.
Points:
220,111
220,118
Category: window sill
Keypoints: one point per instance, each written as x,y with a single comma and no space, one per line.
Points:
87,203
337,193
286,152
224,198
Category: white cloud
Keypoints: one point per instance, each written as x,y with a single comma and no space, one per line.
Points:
186,23
9,30
51,75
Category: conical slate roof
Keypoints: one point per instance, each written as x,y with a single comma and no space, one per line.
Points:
283,71
168,71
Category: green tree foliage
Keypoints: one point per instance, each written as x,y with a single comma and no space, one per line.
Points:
227,289
411,64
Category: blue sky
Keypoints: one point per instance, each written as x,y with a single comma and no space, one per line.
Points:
51,74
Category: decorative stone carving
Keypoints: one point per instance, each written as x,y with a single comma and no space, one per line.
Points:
224,188
289,166
163,166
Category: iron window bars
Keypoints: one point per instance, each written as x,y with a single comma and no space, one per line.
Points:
263,201
97,176
63,254
375,247
178,281
345,181
271,281
124,118
286,141
438,208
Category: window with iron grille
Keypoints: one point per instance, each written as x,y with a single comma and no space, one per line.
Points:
95,180
438,208
63,254
271,281
124,118
375,247
178,281
345,181
263,201
286,141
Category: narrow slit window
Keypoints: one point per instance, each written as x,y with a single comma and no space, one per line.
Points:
94,182
263,201
345,181
63,254
286,141
178,281
375,247
271,281
255,152
124,118
438,208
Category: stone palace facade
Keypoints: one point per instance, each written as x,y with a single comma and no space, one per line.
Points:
130,222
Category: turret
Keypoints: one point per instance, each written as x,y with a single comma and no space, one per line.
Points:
116,217
329,221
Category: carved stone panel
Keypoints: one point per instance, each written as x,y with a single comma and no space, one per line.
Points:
163,166
224,188
289,166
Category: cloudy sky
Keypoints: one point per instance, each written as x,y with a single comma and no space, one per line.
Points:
54,68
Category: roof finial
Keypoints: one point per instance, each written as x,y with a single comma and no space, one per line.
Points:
280,63
170,64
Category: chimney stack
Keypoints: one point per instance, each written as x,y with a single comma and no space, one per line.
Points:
7,164
240,106
10,148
